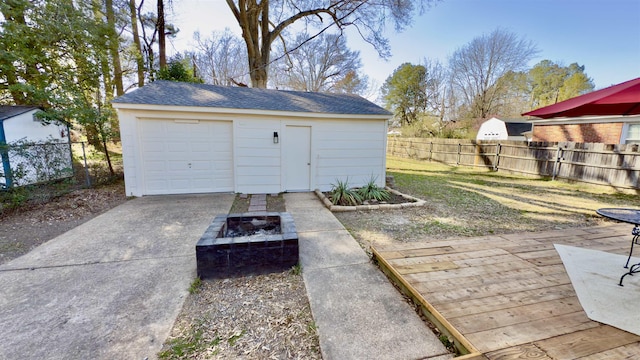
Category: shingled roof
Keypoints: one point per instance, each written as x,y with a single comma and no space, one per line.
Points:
9,111
172,93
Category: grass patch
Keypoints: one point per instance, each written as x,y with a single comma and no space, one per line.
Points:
235,337
296,269
276,203
466,201
194,288
439,226
241,203
185,346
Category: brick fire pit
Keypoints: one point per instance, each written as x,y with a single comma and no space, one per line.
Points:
247,243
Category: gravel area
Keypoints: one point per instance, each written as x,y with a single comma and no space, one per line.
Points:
254,317
42,219
263,316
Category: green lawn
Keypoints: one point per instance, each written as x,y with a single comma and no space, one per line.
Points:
465,201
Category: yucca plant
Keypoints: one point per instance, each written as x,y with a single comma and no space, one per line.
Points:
341,194
371,191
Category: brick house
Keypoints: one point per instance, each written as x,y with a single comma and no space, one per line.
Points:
607,130
610,116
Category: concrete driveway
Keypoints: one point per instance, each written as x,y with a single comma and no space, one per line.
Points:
110,288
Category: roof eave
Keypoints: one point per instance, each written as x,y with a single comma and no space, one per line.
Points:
23,110
218,110
586,119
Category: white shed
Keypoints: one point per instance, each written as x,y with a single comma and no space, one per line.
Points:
32,150
496,129
182,138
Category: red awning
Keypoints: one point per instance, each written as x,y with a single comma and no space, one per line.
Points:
621,99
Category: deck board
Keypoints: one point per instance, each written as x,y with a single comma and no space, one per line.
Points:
510,296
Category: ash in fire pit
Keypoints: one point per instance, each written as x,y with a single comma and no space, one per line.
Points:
250,242
260,225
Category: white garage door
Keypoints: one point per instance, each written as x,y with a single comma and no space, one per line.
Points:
186,156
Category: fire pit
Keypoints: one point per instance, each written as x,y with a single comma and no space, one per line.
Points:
250,242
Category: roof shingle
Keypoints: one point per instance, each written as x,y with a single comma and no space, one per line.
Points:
9,111
163,92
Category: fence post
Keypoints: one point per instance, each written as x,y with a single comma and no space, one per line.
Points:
430,150
86,168
459,151
556,163
495,163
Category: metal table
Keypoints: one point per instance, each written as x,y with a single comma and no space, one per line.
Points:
631,216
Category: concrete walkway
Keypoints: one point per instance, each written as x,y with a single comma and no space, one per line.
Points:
110,288
359,314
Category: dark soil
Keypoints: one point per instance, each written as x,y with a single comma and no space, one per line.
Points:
240,205
393,199
38,221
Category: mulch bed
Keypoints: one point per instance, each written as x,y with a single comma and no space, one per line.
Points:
263,316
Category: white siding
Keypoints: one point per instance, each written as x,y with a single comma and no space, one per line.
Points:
25,127
353,150
130,148
340,148
257,158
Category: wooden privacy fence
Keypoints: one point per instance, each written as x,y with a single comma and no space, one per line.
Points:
616,165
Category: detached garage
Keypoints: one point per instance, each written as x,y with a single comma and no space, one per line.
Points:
180,138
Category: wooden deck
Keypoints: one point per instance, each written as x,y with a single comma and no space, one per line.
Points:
510,296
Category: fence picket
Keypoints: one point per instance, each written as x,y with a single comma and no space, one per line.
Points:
605,164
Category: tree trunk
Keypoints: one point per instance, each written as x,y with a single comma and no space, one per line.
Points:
162,48
114,45
101,55
259,74
254,20
136,42
106,153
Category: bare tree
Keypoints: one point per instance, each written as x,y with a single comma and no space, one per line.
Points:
322,64
160,23
148,22
221,59
477,67
435,87
262,22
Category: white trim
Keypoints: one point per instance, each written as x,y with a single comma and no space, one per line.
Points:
230,111
587,119
625,133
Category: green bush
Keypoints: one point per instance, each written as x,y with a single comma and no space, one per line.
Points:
341,194
371,191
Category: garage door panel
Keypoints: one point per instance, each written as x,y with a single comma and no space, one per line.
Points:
202,166
202,156
189,157
153,146
201,147
155,165
177,147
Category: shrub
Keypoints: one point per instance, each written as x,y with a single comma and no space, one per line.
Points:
341,194
371,191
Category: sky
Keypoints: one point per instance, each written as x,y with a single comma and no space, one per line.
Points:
602,35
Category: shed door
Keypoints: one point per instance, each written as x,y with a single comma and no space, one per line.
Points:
186,156
297,143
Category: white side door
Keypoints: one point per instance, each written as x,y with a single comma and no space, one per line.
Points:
297,157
